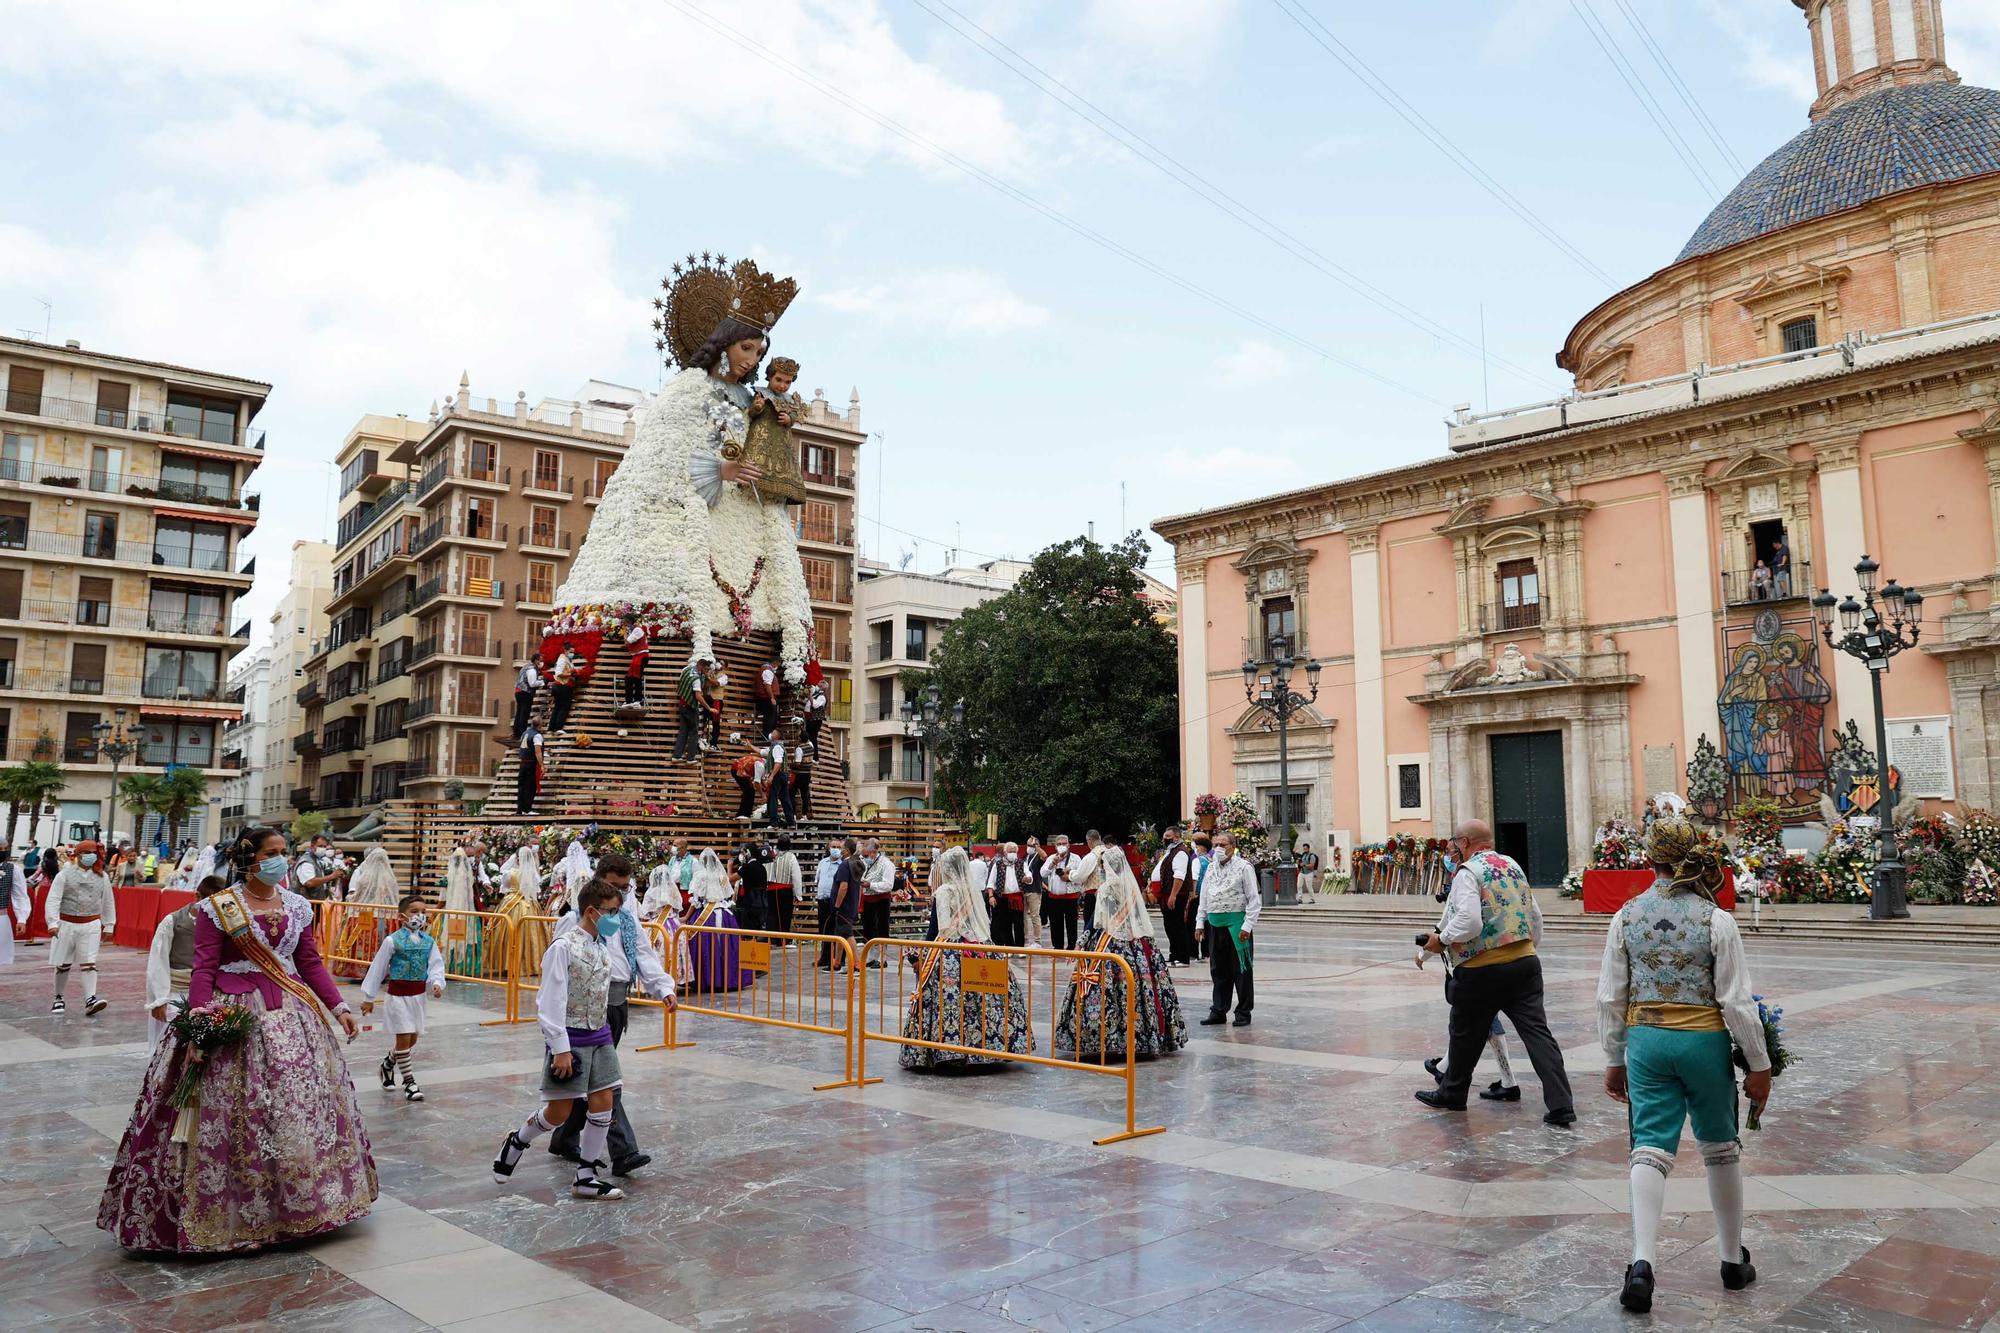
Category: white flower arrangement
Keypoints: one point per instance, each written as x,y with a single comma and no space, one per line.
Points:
648,556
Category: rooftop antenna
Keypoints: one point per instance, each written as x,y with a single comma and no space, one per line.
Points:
48,315
904,560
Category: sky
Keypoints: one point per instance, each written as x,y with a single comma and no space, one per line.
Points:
1087,263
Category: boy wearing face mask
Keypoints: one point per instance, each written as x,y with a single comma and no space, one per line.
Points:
81,913
411,963
572,1009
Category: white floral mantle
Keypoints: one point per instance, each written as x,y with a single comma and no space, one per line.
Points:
669,534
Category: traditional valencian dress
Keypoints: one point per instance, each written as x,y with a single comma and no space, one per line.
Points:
941,1010
714,957
277,1150
1091,1024
521,881
367,914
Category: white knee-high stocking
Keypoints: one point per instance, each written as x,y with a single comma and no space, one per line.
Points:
1497,1043
1649,1200
1725,1197
590,1145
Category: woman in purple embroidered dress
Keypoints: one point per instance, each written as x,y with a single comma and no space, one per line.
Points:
277,1150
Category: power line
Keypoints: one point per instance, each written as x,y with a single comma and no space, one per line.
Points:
1150,153
1680,87
1345,56
1654,111
1027,200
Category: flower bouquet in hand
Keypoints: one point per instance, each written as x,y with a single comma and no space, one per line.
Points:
201,1029
1773,1018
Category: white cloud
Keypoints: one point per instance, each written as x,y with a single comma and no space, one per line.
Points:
955,301
247,142
1233,470
1522,31
1185,35
637,80
1787,70
1254,361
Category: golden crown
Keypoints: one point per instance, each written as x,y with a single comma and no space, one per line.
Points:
703,291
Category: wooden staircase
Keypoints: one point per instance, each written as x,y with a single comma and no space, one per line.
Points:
603,766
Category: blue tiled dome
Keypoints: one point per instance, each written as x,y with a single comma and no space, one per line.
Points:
1881,144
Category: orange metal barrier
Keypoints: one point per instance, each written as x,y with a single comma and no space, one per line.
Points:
1086,970
350,933
782,959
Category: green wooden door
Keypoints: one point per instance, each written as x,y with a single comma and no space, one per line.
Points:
1530,821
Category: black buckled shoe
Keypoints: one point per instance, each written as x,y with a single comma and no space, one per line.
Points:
1435,1100
1560,1119
510,1156
1500,1093
625,1166
1212,1021
1738,1276
1638,1293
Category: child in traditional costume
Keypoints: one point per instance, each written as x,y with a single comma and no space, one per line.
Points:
1673,1003
941,1010
409,963
81,912
1092,1021
170,964
572,1010
275,1150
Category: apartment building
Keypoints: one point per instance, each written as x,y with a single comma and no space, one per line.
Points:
122,512
243,739
295,624
829,460
900,615
352,739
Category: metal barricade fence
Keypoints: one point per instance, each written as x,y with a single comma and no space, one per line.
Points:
986,971
349,934
722,965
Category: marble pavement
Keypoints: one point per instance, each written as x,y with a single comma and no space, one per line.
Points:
1298,1188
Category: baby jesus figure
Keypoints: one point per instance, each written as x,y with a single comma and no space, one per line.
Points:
769,445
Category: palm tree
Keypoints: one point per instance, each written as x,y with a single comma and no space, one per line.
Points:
143,794
180,790
29,785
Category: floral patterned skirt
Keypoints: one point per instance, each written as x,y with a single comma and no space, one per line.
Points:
278,1150
1158,1028
941,1011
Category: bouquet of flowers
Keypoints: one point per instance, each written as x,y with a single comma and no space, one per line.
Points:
210,1027
1773,1017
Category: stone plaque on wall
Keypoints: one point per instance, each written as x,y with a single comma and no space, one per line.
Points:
1661,766
1920,749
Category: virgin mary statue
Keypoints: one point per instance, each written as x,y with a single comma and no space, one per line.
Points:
684,541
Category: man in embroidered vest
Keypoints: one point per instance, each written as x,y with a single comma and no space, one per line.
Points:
1673,1002
1230,905
631,955
1491,925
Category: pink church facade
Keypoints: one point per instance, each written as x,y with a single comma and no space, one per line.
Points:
1540,627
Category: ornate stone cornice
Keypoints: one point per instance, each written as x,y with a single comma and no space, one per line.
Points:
1364,538
1191,571
1685,480
1842,451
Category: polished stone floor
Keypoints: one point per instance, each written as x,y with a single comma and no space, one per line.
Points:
1298,1186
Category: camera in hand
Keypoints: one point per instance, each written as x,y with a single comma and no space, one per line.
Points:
1423,938
1442,894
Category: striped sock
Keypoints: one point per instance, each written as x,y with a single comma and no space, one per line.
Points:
403,1064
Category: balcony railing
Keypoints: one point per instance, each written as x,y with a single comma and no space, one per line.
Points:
302,798
306,744
308,693
433,478
161,622
340,741
133,485
423,650
1742,587
880,652
196,691
148,421
357,521
95,613
1500,618
427,592
419,708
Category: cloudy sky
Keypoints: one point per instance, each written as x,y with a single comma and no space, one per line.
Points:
1087,261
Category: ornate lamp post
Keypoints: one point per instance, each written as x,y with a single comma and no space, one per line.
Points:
922,721
1865,633
114,742
1268,684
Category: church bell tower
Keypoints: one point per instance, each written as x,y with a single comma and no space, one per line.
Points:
1863,46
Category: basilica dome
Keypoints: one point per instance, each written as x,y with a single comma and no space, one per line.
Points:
1889,141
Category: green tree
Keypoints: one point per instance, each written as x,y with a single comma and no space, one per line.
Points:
142,794
307,826
28,786
1068,682
181,789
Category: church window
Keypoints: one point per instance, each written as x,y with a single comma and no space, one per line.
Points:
1861,33
1280,621
1409,787
1800,335
1520,594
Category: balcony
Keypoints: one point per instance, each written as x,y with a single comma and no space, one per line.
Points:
424,650
419,709
1742,587
306,744
146,488
841,594
341,740
433,478
542,483
92,613
309,693
302,798
145,421
1501,618
237,695
484,590
359,519
543,540
161,622
826,534
230,759
184,691
426,538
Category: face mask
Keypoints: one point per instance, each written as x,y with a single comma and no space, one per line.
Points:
607,926
272,869
937,851
1012,857
418,923
88,858
1450,864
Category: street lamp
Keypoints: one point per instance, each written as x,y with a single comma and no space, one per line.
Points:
114,742
1866,635
922,721
1268,684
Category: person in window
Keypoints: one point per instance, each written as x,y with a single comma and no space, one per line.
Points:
1760,583
1781,567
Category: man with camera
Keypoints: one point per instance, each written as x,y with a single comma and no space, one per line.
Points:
1490,929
